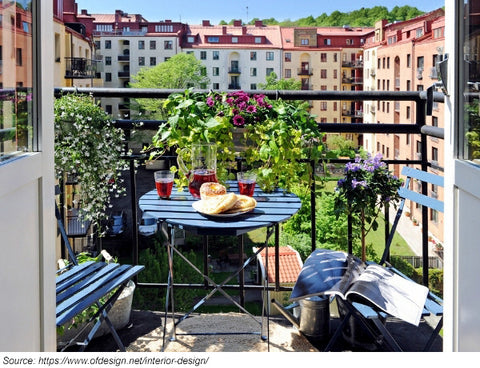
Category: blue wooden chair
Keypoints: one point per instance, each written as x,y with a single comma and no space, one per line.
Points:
79,286
372,319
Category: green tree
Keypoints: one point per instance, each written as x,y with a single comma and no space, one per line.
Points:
181,71
272,83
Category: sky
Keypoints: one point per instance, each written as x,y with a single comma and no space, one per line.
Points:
194,11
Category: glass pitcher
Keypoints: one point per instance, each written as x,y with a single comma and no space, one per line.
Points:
204,166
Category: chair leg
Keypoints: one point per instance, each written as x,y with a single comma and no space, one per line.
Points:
433,335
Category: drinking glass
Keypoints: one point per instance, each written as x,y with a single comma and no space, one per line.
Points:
246,182
164,183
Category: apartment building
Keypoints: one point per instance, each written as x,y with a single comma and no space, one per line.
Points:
327,59
236,56
403,56
126,43
75,65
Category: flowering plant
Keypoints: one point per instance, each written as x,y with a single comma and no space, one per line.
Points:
363,192
88,147
274,135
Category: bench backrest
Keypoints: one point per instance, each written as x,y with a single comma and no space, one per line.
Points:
422,199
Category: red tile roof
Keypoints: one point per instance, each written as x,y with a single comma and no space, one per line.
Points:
290,264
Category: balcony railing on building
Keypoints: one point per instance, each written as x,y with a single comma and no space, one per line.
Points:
234,86
305,71
234,70
81,68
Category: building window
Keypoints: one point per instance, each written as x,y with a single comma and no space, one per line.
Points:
269,71
327,41
153,61
323,73
141,60
141,45
433,215
253,86
409,61
335,74
108,77
323,57
234,39
288,73
409,85
304,41
350,41
203,55
335,106
153,45
216,55
407,113
434,121
164,28
335,57
213,39
108,109
108,60
258,39
419,32
435,155
168,45
323,106
215,71
253,72
420,62
108,44
269,55
288,57
190,39
216,86
253,55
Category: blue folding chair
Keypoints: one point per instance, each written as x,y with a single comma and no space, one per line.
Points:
79,286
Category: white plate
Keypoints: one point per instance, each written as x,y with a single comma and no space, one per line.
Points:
196,206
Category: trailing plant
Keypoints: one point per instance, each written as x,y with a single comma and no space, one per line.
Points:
275,134
89,147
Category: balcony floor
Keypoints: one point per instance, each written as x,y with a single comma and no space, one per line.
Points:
145,332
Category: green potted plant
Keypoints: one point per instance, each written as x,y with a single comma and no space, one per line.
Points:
274,135
89,148
363,192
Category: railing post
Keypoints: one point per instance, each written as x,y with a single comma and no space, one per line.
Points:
313,205
421,120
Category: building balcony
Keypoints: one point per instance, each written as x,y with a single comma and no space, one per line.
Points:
124,58
304,71
142,182
124,74
234,86
81,68
234,70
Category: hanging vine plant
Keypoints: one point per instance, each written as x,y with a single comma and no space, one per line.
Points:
89,147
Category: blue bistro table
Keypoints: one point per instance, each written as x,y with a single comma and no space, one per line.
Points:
272,209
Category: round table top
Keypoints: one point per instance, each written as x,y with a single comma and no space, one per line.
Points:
272,208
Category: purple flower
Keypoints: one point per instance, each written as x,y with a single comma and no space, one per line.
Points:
340,183
251,109
238,120
356,183
210,101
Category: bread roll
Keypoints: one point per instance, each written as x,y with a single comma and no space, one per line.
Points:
243,203
211,189
217,204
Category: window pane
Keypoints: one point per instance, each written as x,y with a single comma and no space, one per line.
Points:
16,79
470,150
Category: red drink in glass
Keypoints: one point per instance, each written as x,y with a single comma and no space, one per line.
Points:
200,177
246,187
164,188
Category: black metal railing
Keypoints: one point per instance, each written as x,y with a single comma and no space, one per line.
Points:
80,68
423,100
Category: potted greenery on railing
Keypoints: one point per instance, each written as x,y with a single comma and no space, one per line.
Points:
275,134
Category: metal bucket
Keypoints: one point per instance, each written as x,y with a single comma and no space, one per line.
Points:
315,317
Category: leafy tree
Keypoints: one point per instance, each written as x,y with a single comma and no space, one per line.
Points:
272,83
181,71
